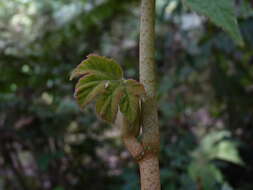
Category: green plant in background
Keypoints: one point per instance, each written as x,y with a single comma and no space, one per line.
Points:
220,12
102,79
216,145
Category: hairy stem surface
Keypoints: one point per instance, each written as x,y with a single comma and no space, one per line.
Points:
149,165
146,152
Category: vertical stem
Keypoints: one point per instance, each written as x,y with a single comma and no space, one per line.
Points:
150,174
149,165
147,73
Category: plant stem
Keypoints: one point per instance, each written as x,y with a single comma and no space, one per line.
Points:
150,174
149,165
146,152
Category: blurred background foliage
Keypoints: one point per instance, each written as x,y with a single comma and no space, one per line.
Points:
205,96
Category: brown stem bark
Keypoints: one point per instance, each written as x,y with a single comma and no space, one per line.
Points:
150,174
149,165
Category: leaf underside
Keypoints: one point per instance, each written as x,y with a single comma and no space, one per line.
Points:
101,79
221,13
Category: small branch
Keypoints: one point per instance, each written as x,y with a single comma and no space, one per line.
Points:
130,141
134,147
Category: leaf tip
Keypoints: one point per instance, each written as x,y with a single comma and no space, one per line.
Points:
72,75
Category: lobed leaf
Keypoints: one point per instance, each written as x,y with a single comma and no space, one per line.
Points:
101,79
221,12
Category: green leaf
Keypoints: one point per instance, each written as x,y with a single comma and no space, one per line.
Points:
107,103
130,107
85,94
101,79
101,67
221,12
129,104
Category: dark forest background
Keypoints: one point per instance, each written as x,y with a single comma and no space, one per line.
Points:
205,94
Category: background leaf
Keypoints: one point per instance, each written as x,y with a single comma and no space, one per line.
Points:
221,12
